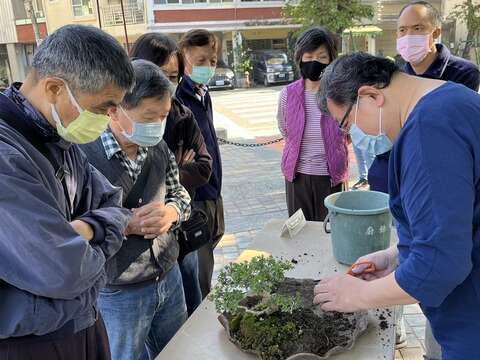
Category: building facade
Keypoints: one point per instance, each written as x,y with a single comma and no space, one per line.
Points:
106,14
249,24
253,24
17,38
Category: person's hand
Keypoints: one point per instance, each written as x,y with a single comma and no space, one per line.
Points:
342,293
386,261
156,219
134,227
83,229
187,158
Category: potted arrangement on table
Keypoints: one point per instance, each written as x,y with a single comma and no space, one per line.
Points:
273,317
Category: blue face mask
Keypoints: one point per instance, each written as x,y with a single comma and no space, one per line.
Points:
145,134
371,144
202,74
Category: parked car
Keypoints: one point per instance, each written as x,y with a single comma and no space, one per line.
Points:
224,77
271,67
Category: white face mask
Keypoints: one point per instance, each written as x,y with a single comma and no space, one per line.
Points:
371,144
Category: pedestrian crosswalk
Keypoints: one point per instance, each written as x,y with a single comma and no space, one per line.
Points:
252,109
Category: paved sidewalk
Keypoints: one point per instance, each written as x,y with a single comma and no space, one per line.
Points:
253,192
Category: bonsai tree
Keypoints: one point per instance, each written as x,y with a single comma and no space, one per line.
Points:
256,279
274,317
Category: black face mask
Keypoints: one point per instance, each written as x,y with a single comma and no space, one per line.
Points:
312,70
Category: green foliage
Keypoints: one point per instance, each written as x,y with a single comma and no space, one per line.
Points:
468,12
260,276
3,76
244,61
335,15
277,302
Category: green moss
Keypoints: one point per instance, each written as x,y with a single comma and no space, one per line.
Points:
268,335
235,323
260,307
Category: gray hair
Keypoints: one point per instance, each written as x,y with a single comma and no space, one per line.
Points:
150,82
87,58
342,79
432,12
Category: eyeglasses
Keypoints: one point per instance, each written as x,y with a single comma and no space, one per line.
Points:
344,119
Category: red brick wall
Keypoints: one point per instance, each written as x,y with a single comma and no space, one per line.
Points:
172,16
26,35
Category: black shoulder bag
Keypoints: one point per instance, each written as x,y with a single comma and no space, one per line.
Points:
193,233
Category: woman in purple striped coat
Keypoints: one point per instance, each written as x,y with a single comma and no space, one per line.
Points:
315,157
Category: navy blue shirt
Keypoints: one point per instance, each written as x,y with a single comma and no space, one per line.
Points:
202,110
445,67
434,185
450,68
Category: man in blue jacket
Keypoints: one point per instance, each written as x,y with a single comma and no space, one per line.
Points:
60,218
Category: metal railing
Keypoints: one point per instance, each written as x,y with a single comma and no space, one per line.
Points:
134,14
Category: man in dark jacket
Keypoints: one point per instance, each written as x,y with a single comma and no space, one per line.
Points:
199,49
143,304
60,218
416,20
184,138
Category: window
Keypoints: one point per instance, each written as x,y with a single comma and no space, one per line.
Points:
277,59
279,44
29,52
82,7
38,6
187,2
259,44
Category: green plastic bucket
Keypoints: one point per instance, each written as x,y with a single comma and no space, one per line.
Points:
360,223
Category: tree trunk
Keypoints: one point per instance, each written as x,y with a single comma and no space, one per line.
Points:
468,44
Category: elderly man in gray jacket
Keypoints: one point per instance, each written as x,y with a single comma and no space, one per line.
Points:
143,303
60,218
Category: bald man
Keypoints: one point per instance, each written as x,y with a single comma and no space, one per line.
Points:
418,30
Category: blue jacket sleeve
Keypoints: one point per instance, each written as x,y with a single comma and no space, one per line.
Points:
41,253
101,207
436,163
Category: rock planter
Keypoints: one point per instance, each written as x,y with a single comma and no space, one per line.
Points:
274,330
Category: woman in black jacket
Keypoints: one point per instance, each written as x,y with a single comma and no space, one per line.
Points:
185,140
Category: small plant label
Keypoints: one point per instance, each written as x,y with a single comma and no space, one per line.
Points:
294,224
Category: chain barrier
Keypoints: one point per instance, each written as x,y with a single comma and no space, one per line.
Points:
248,145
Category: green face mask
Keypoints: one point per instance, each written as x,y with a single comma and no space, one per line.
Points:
86,128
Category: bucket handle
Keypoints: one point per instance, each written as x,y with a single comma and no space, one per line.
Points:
325,222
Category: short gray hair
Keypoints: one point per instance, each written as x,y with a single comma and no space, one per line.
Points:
342,79
432,12
87,58
150,82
